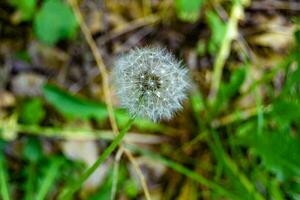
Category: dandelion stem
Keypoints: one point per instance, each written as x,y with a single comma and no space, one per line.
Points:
67,194
105,82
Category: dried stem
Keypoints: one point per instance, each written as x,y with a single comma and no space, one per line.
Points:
138,171
116,174
230,35
104,74
106,90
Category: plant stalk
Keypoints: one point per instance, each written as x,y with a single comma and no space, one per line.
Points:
67,194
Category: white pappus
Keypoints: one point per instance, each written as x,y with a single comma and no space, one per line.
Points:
150,82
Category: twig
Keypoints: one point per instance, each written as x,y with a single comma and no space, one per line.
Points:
230,35
150,19
106,90
104,74
275,5
116,174
139,172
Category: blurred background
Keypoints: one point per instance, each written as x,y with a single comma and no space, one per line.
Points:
237,136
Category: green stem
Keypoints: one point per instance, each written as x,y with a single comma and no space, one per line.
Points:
49,179
67,194
3,179
29,186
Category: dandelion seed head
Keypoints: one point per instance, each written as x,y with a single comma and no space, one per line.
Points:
150,82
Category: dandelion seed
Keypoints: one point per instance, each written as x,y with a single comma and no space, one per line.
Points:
150,82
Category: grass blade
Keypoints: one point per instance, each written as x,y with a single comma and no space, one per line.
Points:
67,194
3,179
29,185
184,170
49,179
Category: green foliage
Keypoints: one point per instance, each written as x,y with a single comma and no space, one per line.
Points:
50,175
23,55
26,8
289,101
68,192
32,153
280,153
278,144
54,21
104,192
4,190
32,111
131,188
72,106
242,186
188,10
218,29
284,112
184,171
32,150
254,150
197,103
228,90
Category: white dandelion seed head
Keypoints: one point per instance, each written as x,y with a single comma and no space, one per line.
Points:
150,82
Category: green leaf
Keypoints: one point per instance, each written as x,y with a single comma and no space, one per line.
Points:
32,112
131,188
292,85
32,150
26,8
218,28
197,103
72,106
279,150
55,21
236,80
284,111
289,101
228,90
188,10
284,161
